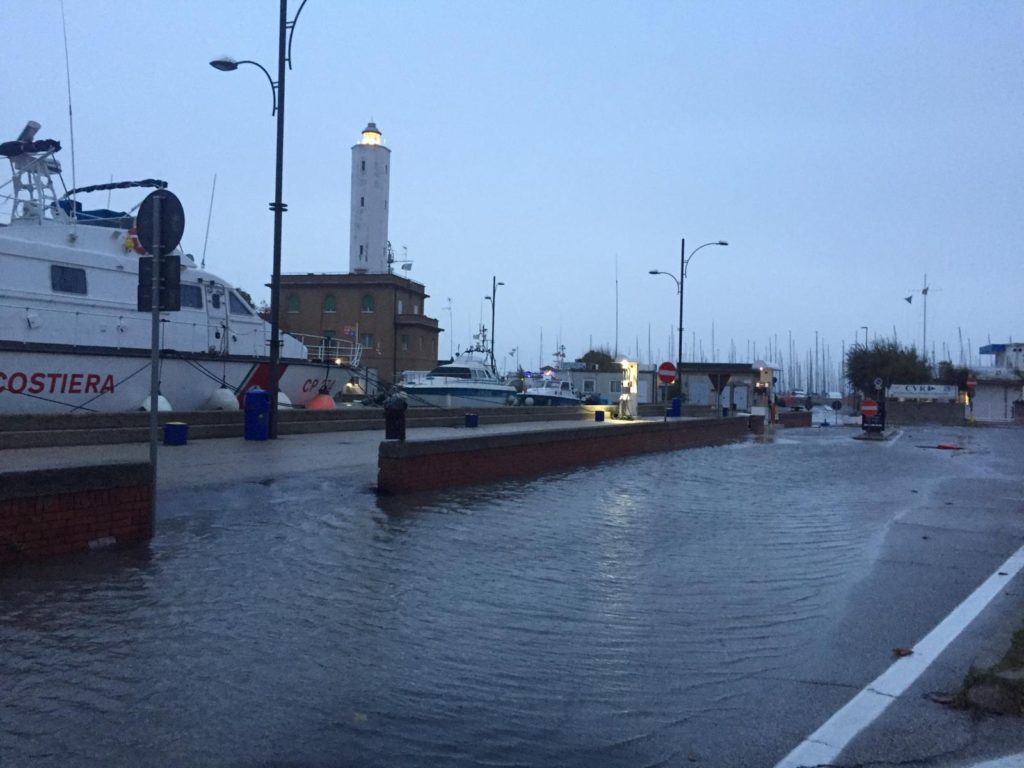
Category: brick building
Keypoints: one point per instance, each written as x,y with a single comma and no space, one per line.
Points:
383,312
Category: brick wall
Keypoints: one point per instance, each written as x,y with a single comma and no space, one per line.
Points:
59,511
410,467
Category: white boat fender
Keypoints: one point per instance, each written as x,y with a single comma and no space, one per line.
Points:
162,404
223,399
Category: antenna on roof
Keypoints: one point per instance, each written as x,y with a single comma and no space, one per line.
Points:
209,215
71,119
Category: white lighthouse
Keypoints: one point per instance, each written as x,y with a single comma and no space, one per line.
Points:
368,231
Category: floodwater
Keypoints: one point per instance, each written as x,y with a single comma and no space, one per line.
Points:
640,612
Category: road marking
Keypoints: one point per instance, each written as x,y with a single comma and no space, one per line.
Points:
824,745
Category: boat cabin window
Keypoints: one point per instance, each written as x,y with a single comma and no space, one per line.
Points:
236,306
215,300
191,296
452,372
67,279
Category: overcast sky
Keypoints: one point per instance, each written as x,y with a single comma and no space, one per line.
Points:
844,149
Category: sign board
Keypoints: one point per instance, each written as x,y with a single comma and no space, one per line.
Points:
871,417
171,221
666,373
878,383
945,392
972,382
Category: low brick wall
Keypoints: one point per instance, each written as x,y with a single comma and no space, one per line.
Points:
794,418
910,412
410,467
59,511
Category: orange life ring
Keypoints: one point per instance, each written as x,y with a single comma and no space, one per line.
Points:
132,243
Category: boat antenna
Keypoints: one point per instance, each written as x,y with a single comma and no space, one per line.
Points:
209,215
71,119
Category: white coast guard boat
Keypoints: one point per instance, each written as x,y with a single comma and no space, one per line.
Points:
71,338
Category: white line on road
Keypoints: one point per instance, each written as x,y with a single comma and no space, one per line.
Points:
824,745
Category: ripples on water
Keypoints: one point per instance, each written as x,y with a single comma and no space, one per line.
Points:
615,615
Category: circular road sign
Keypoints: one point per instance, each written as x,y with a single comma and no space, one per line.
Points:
172,222
972,383
666,373
878,383
869,408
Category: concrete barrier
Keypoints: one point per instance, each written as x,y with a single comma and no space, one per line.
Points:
426,465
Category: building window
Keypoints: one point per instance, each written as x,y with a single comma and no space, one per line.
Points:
589,386
401,306
360,250
67,279
366,339
191,296
367,304
614,387
363,165
415,309
362,202
405,343
330,305
293,304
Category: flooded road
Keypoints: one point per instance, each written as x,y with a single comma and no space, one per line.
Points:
705,607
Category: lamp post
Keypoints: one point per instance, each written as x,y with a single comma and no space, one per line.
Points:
684,262
491,298
285,30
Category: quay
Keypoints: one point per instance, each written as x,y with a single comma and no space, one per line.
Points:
58,496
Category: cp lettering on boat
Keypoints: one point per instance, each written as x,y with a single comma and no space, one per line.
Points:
38,383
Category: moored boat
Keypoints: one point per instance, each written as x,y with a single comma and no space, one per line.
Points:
71,335
549,391
469,381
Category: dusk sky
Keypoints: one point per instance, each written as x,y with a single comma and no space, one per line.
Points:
843,149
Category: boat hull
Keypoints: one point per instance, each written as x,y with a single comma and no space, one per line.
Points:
62,380
532,399
458,397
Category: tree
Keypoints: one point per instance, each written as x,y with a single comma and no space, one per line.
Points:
599,360
950,374
885,360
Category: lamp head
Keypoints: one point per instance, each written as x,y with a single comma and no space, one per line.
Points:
653,272
224,64
722,242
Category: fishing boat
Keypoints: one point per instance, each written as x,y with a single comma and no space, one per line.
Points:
468,381
72,338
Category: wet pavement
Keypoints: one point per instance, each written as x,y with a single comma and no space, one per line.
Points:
707,607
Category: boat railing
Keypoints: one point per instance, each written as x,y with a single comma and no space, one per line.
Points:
322,348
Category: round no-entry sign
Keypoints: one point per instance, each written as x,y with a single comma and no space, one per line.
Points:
869,408
666,373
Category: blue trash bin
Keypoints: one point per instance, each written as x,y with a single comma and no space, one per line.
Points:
257,414
598,415
175,433
677,407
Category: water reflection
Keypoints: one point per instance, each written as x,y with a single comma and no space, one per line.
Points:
621,614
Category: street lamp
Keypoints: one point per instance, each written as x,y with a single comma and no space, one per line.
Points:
491,298
684,262
226,64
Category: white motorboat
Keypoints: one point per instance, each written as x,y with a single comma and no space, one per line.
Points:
469,381
549,390
71,335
